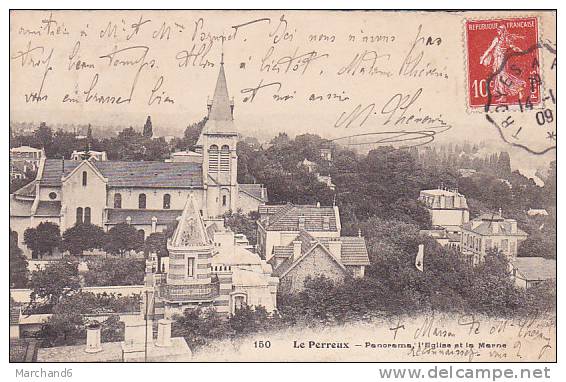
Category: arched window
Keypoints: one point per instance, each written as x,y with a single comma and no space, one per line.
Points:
142,201
117,200
224,200
225,158
166,201
85,176
87,215
213,158
79,218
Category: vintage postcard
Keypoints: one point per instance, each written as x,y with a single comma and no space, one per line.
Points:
282,186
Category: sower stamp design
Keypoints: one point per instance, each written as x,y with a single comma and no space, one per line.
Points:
495,79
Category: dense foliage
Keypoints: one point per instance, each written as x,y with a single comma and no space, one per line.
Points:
114,271
68,324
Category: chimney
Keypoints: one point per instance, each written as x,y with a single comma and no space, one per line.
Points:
335,247
301,222
296,249
326,223
93,338
163,333
513,224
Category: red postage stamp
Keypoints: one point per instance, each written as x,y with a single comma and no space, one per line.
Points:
503,63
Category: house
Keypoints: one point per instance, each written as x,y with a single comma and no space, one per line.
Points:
443,237
490,231
307,256
92,155
447,207
537,212
305,240
279,225
148,195
326,153
530,271
24,159
207,267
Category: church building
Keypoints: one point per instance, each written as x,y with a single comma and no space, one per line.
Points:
147,195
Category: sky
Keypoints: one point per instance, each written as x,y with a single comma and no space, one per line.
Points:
336,74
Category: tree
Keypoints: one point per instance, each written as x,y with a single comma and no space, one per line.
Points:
68,324
148,128
114,271
57,280
19,273
43,239
199,326
243,224
83,237
123,238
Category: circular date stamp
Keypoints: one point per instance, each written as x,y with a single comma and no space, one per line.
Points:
505,81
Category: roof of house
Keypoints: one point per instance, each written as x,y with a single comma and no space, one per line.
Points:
535,268
254,190
130,174
118,215
353,251
487,228
282,251
48,208
28,190
20,207
287,218
270,209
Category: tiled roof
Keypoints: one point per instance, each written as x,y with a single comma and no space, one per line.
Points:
131,174
488,228
282,251
287,218
116,215
265,210
48,208
28,190
535,268
254,190
354,251
20,207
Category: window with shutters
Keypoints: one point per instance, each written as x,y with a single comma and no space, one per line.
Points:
87,215
213,156
225,159
79,217
142,201
166,201
191,267
118,201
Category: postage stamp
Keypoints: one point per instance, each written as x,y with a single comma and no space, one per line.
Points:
503,62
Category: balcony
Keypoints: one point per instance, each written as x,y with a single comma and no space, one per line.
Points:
187,293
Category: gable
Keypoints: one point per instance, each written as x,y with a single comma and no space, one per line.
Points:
315,261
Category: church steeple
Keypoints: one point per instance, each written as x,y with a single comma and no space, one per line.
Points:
221,108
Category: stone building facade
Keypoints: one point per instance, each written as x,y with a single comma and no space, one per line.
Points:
148,195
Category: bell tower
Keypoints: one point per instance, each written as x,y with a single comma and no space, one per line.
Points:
217,143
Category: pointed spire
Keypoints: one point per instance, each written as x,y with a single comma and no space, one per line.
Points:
191,230
220,109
